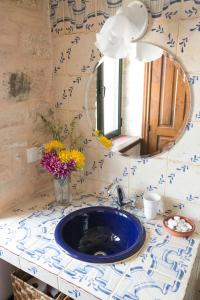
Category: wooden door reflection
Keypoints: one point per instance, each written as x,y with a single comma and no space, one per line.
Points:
166,104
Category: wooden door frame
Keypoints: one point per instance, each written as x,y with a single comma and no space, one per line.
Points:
146,108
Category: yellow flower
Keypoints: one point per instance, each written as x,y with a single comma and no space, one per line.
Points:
98,133
64,155
106,142
53,145
77,156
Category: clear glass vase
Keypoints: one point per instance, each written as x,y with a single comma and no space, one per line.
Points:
62,190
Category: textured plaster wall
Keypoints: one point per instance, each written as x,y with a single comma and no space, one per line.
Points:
25,86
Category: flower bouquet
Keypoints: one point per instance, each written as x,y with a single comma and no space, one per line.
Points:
61,162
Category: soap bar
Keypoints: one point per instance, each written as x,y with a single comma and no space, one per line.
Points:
177,218
178,224
172,222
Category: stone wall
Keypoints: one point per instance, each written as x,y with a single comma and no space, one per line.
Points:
25,90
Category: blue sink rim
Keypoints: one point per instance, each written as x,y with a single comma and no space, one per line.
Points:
100,259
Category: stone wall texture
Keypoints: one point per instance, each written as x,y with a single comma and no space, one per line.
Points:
25,90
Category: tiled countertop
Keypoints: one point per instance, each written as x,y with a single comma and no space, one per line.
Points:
161,270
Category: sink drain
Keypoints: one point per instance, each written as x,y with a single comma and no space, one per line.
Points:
100,253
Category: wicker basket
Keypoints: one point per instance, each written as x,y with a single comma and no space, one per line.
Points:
22,290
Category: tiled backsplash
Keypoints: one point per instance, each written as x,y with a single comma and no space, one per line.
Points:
174,174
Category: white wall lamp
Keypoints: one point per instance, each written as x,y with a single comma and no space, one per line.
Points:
128,25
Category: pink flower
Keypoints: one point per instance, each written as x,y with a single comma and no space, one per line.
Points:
53,165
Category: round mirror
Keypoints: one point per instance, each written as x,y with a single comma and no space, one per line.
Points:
139,105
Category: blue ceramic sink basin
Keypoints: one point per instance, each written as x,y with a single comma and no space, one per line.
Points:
100,234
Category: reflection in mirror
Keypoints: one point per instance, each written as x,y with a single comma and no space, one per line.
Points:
141,103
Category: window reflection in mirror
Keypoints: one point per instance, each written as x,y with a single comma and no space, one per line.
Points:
109,97
142,104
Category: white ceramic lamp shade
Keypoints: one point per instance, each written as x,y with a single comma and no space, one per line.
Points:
114,38
145,52
129,24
